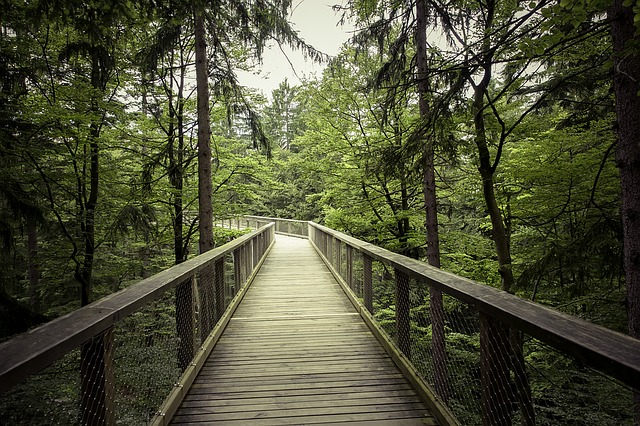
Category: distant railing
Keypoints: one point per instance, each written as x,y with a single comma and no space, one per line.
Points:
291,227
127,358
491,357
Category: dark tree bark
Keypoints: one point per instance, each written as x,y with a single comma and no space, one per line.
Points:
204,135
205,189
626,87
89,201
96,367
431,206
506,344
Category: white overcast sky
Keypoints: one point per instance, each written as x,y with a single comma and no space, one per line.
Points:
318,25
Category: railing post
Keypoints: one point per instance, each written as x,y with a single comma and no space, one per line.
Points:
248,259
403,335
243,263
97,380
219,285
494,372
237,268
332,250
256,254
325,244
246,262
349,272
338,245
367,279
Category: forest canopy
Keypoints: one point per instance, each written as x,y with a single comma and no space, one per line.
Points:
497,140
488,138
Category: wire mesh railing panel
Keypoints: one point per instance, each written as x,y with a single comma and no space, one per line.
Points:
384,298
459,384
357,270
230,283
148,336
343,260
469,350
50,397
564,391
146,360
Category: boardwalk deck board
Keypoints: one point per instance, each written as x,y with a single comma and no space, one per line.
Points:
297,352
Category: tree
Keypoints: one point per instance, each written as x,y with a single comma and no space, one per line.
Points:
282,117
625,35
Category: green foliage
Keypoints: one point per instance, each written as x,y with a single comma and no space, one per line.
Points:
80,79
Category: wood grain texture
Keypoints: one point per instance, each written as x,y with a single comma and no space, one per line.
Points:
297,352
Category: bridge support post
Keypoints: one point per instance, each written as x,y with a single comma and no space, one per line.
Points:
403,329
367,278
494,372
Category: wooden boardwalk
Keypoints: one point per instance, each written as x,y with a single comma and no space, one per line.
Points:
297,352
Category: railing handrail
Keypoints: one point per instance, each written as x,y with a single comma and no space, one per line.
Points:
612,352
267,218
30,352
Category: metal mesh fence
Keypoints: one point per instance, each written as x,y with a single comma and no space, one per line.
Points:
482,370
146,360
50,397
124,374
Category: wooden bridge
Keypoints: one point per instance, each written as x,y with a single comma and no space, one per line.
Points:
281,330
297,352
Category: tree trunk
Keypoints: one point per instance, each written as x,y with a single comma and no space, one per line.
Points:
436,305
205,208
626,87
185,320
204,136
96,358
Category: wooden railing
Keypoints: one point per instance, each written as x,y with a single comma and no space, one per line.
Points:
291,227
203,292
198,295
503,322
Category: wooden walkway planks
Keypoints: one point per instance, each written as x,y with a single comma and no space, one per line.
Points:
297,352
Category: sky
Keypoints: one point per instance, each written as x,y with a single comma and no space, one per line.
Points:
318,25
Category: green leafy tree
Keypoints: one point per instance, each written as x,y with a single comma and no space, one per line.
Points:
282,118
